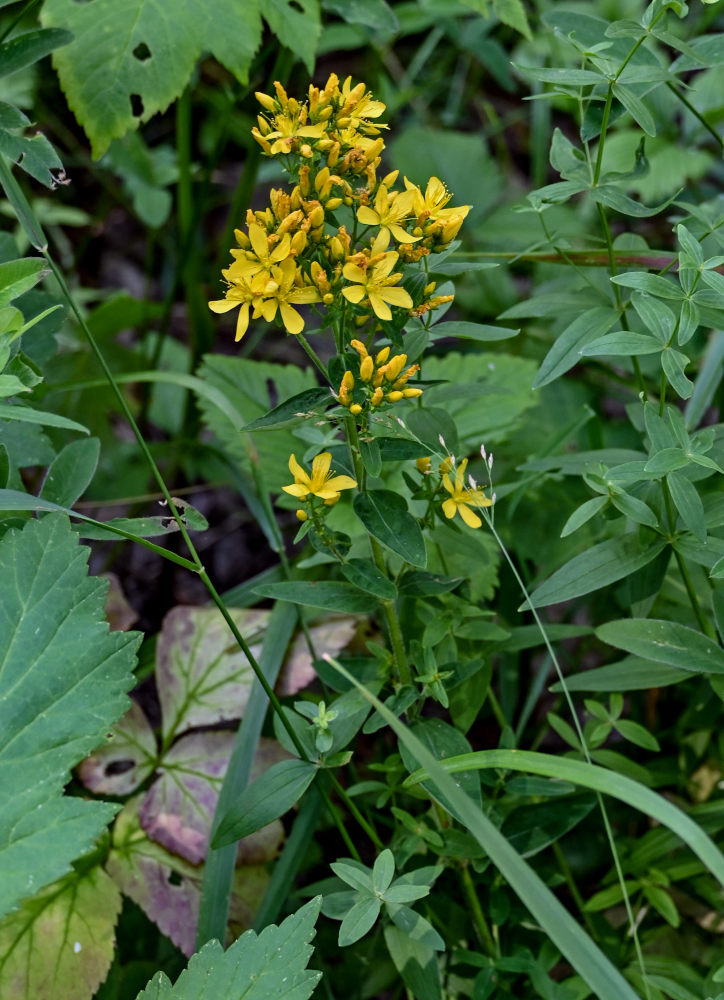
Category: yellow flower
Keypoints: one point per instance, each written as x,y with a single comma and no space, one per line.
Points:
280,291
376,282
289,127
262,258
239,293
389,211
321,483
461,496
431,205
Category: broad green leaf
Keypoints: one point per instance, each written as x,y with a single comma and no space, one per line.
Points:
26,49
177,809
26,414
167,886
293,410
202,676
375,14
386,517
59,945
360,919
17,276
366,576
256,967
657,317
578,948
665,461
62,686
331,596
71,471
599,779
480,332
265,799
601,565
634,508
125,51
688,503
665,642
568,347
621,343
244,386
297,24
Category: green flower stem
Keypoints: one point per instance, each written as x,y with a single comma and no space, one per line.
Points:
697,114
354,810
389,608
316,360
704,624
476,910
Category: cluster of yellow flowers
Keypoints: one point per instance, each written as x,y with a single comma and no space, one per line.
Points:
379,380
296,252
462,495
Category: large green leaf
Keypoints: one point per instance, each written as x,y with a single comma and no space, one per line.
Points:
59,945
386,517
665,642
605,563
578,948
601,780
63,679
256,967
143,49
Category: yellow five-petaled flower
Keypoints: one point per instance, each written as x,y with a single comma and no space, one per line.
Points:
321,483
376,282
461,496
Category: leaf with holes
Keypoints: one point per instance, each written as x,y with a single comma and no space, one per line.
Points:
128,61
202,675
178,807
59,945
168,888
124,760
62,686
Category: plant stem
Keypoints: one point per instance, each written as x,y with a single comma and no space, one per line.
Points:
476,910
316,360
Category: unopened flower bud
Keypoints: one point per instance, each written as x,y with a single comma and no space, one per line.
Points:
395,396
424,465
302,515
411,393
377,397
267,102
355,409
333,203
382,356
366,369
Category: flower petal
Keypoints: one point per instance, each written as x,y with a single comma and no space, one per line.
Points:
282,249
449,507
320,468
353,272
338,483
367,216
259,243
242,323
223,305
354,293
300,475
401,236
396,297
472,520
379,306
297,490
291,319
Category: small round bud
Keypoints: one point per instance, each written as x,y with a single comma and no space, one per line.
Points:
302,515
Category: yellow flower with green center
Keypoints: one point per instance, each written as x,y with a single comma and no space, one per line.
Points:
281,292
376,282
388,212
461,496
321,483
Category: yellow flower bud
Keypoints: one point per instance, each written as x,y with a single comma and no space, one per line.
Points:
424,465
429,289
333,155
374,150
299,241
302,515
304,184
333,203
328,299
359,347
267,102
355,408
395,396
306,151
382,356
348,379
316,216
395,366
377,397
389,179
242,239
411,393
366,369
264,143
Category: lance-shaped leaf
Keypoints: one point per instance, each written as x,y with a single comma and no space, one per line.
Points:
168,888
178,808
125,759
59,945
665,642
201,674
63,678
272,964
294,409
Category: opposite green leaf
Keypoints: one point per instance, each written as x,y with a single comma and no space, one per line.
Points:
138,51
62,686
385,515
